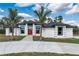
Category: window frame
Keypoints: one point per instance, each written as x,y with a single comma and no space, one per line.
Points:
37,29
22,28
60,31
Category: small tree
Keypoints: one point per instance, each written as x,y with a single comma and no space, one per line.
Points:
49,20
58,19
12,19
41,14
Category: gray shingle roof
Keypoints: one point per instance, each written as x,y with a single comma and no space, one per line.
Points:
52,24
28,22
8,26
45,25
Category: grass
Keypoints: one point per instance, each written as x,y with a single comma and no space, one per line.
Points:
4,38
38,54
64,40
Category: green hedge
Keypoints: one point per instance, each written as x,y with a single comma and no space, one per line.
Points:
2,31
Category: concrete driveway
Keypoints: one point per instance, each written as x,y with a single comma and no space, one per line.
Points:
38,46
28,38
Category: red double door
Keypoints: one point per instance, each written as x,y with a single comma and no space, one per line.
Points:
30,31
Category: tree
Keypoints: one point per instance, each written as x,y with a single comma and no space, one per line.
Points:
49,20
41,14
58,19
1,25
12,19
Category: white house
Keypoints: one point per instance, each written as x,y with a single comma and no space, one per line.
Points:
49,30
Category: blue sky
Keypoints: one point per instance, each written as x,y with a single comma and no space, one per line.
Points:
6,6
69,11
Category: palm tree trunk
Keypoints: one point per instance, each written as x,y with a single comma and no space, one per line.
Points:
12,33
41,33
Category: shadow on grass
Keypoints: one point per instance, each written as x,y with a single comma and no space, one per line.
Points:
38,54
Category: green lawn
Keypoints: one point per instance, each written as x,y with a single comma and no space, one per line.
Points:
64,40
4,38
38,54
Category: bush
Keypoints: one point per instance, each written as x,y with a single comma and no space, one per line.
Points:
36,38
2,31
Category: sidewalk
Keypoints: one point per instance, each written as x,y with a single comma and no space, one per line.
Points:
27,38
38,46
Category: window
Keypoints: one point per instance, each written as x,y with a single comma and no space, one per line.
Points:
37,29
60,31
22,29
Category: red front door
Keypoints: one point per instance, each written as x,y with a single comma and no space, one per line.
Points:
29,31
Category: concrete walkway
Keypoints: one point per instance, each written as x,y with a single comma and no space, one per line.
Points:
38,46
77,37
27,38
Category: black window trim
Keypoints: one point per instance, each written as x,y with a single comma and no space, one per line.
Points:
60,31
22,29
37,29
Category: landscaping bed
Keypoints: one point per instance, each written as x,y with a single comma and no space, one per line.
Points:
38,54
4,38
64,40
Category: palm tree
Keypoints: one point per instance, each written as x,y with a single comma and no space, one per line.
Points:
12,19
42,14
59,19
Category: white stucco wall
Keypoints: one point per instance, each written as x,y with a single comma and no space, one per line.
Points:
7,32
16,32
53,32
34,30
26,30
69,32
46,32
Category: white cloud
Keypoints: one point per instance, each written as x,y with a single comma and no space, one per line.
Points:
1,16
55,7
23,4
1,10
37,7
72,22
45,5
74,10
24,15
69,8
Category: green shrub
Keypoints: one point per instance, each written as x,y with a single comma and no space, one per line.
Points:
2,31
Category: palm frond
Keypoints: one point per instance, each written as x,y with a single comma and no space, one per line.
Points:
12,18
47,13
41,14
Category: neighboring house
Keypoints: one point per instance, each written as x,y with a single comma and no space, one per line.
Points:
49,30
